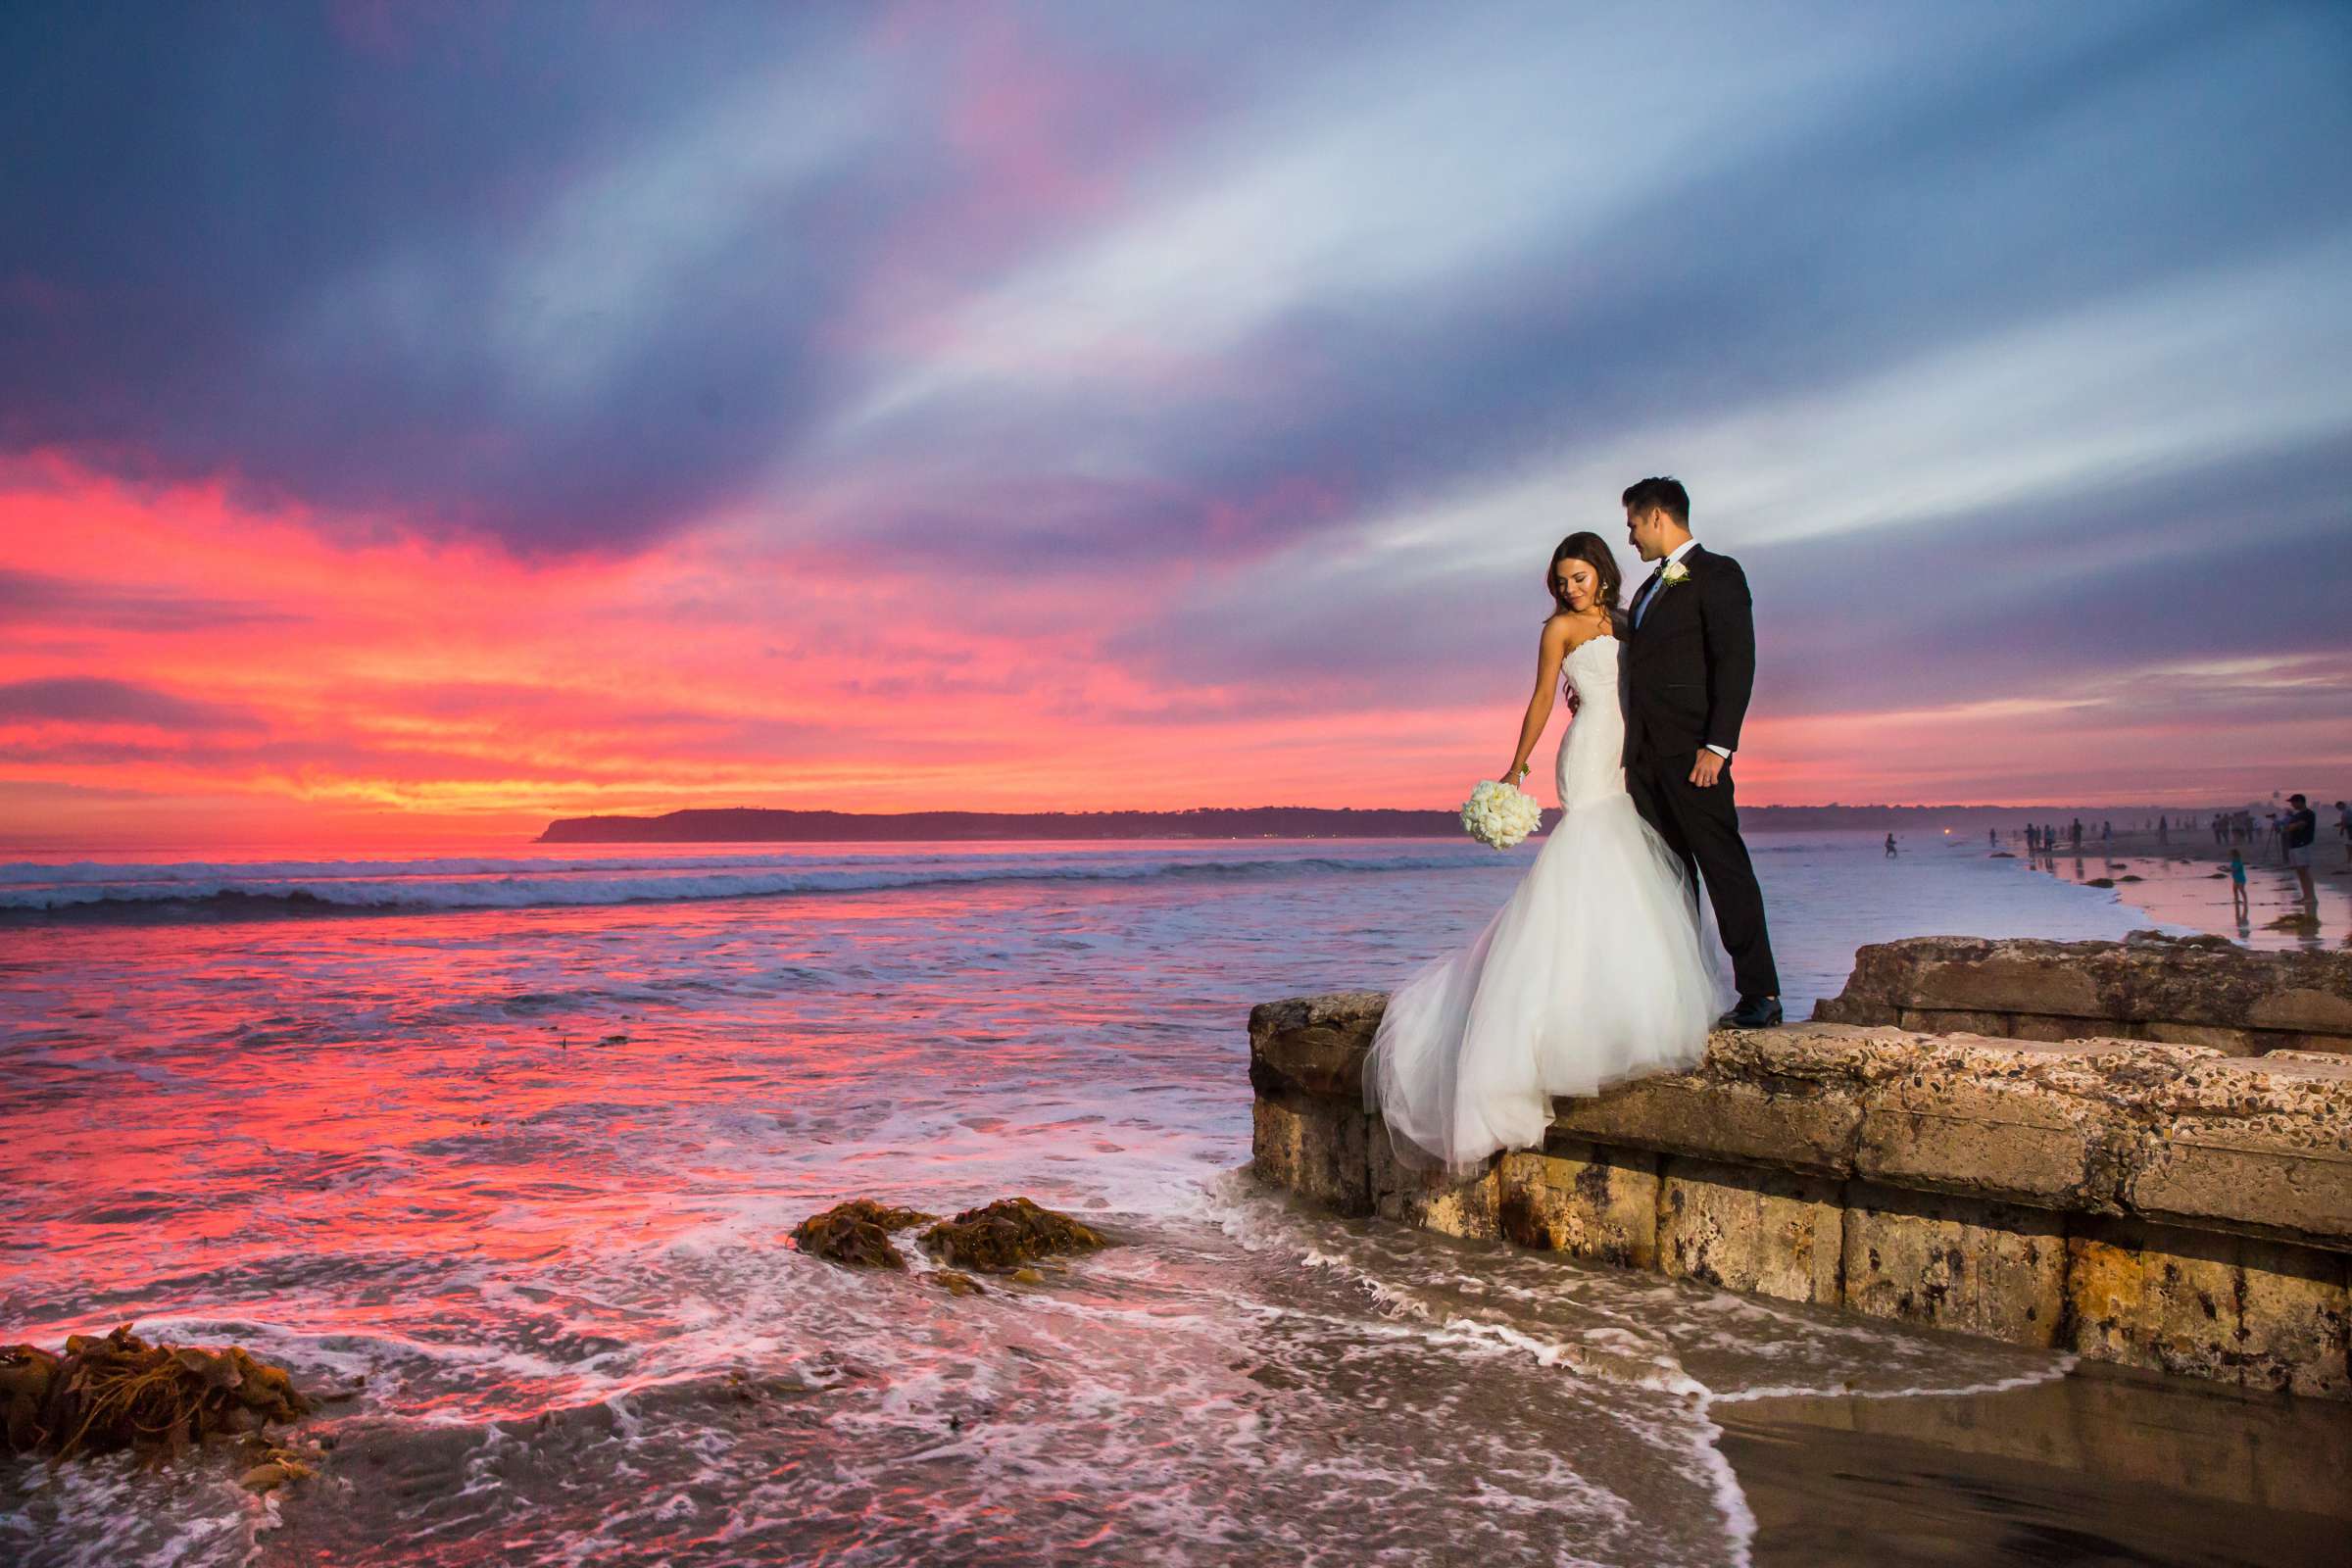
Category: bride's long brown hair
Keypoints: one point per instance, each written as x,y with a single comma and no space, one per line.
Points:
1593,551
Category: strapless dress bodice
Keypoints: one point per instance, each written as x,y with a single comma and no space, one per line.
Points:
1592,760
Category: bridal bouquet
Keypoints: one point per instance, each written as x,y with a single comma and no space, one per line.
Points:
1500,815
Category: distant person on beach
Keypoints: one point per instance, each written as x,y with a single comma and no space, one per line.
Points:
2298,834
2238,883
1890,846
2106,831
2074,832
1993,835
2343,828
2164,831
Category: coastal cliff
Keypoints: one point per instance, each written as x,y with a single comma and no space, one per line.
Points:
2148,1202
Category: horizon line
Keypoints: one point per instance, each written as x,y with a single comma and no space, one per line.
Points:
2154,807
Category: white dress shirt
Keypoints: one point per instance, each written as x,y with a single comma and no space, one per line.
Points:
1652,589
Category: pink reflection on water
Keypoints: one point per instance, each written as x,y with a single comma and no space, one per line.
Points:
401,1127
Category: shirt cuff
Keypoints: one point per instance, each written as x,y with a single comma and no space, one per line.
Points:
1723,752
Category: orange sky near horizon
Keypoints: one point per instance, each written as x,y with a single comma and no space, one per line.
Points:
185,669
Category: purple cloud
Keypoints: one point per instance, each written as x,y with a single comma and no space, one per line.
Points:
93,700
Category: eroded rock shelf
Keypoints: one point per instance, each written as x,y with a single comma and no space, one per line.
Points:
2153,1202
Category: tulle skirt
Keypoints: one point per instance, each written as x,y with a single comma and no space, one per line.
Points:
1603,967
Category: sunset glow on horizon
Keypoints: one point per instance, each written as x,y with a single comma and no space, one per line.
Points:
416,432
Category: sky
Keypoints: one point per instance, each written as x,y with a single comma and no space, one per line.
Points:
424,420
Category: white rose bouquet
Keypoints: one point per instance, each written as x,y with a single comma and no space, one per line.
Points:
1500,815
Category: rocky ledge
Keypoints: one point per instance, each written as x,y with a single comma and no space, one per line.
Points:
2197,990
2155,1204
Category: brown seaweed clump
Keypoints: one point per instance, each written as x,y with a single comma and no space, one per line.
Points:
117,1391
857,1232
1001,1237
273,1466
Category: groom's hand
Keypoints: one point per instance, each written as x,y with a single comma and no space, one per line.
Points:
1706,768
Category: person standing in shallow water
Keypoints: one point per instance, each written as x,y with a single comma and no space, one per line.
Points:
2300,830
1690,666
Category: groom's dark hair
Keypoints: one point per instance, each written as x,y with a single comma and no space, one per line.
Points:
1667,494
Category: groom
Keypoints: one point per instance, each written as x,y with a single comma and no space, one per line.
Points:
1688,665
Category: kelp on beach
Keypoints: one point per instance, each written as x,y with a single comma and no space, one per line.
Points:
857,1232
111,1392
999,1238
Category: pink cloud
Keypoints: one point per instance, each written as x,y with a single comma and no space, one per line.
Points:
428,689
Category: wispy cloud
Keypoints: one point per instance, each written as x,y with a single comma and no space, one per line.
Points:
516,411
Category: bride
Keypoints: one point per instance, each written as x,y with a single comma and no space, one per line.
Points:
1596,971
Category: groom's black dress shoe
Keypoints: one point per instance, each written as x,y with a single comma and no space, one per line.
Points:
1753,1012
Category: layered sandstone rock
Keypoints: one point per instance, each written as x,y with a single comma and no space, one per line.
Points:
2154,1202
2199,990
2262,1147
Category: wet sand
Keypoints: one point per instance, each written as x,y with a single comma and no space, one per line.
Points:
2184,883
2101,1466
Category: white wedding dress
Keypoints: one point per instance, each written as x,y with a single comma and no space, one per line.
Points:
1603,967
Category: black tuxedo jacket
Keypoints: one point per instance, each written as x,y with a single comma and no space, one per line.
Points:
1691,664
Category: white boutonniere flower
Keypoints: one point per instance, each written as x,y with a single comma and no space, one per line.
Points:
1674,572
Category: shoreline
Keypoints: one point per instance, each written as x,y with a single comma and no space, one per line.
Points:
2139,1467
2179,882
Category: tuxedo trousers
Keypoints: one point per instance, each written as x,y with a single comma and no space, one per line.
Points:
1702,827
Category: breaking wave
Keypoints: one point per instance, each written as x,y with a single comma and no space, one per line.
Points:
89,891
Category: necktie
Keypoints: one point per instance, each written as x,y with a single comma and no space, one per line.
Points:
1650,591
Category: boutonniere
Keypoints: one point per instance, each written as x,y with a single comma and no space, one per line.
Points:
1674,572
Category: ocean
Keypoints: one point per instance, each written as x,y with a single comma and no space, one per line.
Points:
517,1139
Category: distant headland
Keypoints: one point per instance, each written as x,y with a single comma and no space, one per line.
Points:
760,825
755,825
